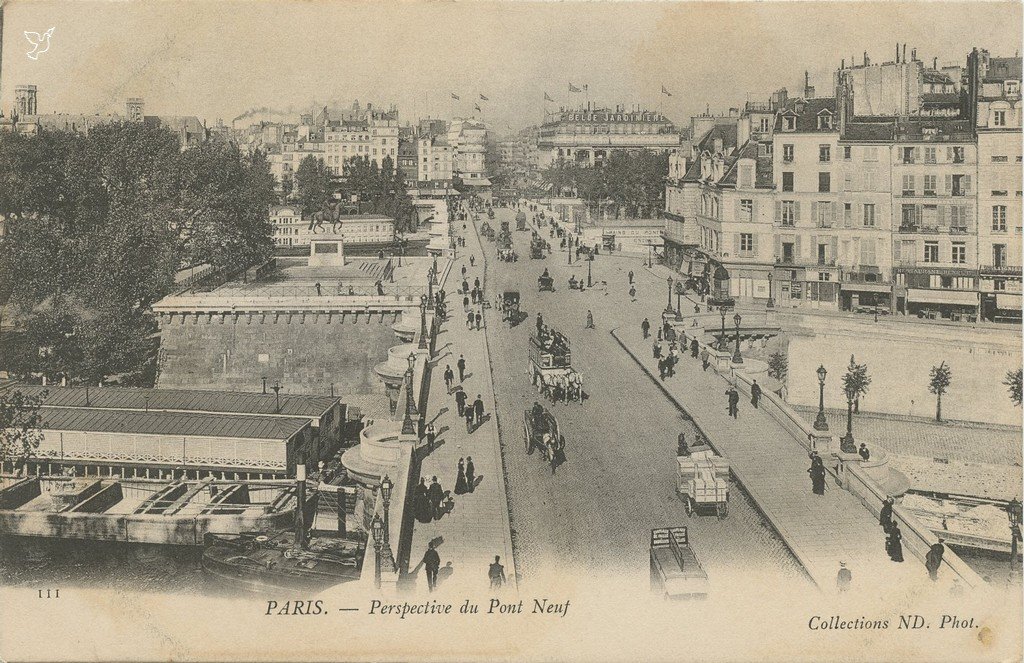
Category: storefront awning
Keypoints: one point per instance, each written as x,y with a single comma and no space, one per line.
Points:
958,297
866,287
1008,301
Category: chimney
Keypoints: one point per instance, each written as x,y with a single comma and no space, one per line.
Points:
904,52
935,64
897,52
913,55
867,60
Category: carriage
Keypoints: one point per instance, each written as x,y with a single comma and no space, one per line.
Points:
537,248
509,303
534,430
521,220
550,368
703,482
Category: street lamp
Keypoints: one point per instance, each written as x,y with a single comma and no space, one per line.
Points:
771,299
377,529
846,443
721,339
819,422
737,358
590,259
277,396
679,298
264,378
668,309
1013,512
408,427
386,486
423,322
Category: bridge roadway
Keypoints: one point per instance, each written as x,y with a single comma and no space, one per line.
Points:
618,482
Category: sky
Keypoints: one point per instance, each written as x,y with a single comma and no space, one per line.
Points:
218,59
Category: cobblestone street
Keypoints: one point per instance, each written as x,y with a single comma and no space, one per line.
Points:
619,479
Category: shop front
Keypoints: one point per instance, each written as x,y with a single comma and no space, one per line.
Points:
864,296
1001,306
947,304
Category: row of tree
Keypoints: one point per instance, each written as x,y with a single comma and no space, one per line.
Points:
95,227
629,184
379,189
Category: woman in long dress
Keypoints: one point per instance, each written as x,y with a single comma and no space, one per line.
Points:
817,472
894,543
423,508
460,481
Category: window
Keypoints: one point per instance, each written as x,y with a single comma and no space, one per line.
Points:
999,218
867,252
825,121
959,255
999,284
929,155
824,182
929,184
787,181
847,152
999,118
931,251
960,184
746,242
824,153
823,216
788,213
908,155
869,180
787,252
957,154
869,215
787,153
789,123
999,255
765,124
908,185
848,214
930,217
746,210
824,276
909,217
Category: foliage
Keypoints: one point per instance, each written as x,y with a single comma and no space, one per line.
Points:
312,184
626,184
778,366
941,377
380,190
1013,383
20,424
96,226
856,380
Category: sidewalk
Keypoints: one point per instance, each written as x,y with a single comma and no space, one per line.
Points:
477,528
821,530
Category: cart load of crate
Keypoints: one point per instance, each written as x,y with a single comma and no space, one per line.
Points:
675,572
703,482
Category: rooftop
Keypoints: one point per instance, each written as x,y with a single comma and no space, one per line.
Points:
193,400
807,112
104,420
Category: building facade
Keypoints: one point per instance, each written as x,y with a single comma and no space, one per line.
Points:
587,135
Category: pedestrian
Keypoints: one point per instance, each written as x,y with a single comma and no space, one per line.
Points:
424,512
694,347
540,323
469,320
463,271
817,473
590,320
432,562
885,515
472,261
470,474
461,363
431,435
460,400
478,409
661,367
317,286
436,495
479,319
632,293
460,479
894,543
657,350
631,277
645,327
734,402
755,395
476,283
933,560
465,303
469,419
660,335
696,309
864,452
681,448
449,377
465,286
843,578
496,573
705,358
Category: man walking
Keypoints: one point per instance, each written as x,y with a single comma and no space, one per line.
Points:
705,358
436,495
461,363
460,401
449,377
645,327
478,410
631,277
431,435
496,573
843,578
470,473
432,562
734,402
755,394
469,419
694,347
590,320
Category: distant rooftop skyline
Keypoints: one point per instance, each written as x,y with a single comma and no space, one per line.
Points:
219,60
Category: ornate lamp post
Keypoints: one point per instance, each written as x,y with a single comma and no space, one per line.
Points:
737,358
430,285
386,486
668,308
590,259
721,339
408,425
819,422
377,530
423,322
1013,512
277,396
771,299
679,299
264,378
846,443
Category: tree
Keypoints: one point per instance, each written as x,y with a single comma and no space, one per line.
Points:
1013,383
20,424
778,366
312,184
855,384
941,377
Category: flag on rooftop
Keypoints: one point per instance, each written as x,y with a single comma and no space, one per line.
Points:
484,98
547,98
477,106
665,92
455,96
573,88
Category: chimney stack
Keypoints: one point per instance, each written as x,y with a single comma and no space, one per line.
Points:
904,52
897,52
913,55
935,64
867,60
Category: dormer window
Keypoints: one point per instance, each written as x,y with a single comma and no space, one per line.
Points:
824,120
789,123
1012,87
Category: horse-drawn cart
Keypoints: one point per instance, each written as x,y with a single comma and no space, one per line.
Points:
540,431
703,483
